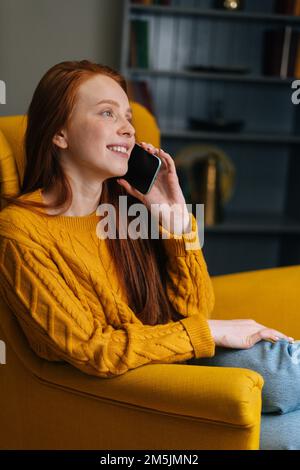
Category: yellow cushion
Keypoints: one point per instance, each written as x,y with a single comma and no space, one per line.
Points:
145,125
269,296
13,127
9,178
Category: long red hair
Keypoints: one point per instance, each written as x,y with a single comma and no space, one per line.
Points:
141,262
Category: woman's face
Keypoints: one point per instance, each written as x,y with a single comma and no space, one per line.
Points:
96,125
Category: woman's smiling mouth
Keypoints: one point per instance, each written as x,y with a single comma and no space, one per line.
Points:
121,150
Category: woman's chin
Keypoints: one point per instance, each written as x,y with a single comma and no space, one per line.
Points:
122,172
116,175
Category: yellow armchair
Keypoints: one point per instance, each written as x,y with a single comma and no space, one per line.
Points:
47,405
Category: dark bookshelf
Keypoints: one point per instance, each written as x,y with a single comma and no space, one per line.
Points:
271,139
261,223
230,77
215,13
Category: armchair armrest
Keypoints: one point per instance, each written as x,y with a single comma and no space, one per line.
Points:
225,395
269,296
202,407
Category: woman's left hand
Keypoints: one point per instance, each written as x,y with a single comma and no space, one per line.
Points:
165,191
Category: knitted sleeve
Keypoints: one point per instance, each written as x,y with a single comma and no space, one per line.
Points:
189,285
54,313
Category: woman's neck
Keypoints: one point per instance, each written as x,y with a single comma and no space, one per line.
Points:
82,205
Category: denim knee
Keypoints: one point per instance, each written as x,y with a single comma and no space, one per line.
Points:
280,431
278,363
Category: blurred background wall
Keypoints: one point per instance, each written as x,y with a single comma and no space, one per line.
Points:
36,34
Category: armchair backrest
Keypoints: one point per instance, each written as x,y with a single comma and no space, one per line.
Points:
12,131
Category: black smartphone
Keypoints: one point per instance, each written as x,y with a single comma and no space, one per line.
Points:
143,168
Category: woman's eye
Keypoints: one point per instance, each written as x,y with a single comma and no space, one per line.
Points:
110,113
107,111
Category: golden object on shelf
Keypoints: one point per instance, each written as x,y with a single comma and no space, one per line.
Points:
231,5
210,176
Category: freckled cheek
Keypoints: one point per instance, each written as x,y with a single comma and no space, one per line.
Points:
88,137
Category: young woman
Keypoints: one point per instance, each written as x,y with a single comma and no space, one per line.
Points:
104,305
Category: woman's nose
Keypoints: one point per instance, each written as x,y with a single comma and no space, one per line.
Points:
127,128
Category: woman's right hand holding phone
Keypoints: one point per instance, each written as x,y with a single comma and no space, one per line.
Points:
165,191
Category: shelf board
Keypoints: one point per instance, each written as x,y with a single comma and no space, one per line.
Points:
261,224
231,77
211,13
230,137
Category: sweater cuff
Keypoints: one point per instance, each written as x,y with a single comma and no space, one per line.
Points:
200,336
178,245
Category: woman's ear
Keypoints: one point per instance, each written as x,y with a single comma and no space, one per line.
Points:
60,139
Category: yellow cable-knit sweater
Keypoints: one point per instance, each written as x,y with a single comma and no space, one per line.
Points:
58,278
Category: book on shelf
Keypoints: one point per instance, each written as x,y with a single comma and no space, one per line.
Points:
288,7
142,2
162,2
281,52
139,91
139,44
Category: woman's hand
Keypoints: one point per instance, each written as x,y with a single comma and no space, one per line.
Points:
242,334
166,191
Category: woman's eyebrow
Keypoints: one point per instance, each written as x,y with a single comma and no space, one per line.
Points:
114,103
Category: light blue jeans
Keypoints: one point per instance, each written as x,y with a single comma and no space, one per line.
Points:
279,365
